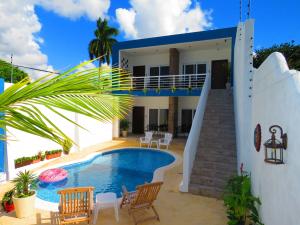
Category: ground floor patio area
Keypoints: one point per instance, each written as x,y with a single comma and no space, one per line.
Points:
174,207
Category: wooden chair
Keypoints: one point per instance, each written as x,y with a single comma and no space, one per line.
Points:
141,199
75,205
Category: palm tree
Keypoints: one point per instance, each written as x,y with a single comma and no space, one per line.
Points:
22,104
103,42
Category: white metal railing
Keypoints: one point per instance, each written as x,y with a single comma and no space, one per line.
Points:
182,81
194,135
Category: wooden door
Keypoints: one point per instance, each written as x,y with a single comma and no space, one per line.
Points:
139,71
138,120
219,73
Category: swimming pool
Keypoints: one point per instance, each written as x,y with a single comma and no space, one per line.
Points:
107,172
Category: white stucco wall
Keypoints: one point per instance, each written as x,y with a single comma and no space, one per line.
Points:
243,70
276,100
23,144
273,99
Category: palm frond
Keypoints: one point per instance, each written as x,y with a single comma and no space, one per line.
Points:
89,92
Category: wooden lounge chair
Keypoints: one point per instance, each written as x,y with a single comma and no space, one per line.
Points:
75,205
141,199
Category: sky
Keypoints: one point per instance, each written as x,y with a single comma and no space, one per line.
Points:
54,34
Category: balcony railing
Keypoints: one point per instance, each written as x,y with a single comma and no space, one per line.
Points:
182,81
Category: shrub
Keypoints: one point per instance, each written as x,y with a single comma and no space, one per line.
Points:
240,203
290,51
25,183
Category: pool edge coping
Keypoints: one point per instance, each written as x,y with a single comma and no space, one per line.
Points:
158,174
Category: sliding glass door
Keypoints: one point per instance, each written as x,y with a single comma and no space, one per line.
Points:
158,119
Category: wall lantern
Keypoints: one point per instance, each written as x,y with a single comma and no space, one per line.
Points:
274,147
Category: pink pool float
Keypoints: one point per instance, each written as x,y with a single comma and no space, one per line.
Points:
53,175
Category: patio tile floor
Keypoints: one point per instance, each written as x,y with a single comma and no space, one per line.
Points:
174,207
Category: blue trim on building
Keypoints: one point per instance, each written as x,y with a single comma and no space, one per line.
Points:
2,143
164,92
172,39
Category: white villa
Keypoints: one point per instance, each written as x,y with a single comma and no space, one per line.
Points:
202,86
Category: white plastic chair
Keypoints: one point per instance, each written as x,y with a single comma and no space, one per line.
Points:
165,141
147,139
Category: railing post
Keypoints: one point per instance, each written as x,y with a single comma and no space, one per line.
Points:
190,80
131,83
173,81
158,82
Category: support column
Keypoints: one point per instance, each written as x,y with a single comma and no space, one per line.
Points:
173,114
173,101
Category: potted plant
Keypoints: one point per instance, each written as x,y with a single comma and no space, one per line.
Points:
24,196
124,125
53,154
67,145
23,161
7,202
35,159
42,155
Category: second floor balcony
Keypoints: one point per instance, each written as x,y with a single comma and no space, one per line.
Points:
167,85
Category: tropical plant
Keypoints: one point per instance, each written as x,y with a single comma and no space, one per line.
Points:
5,72
67,145
25,183
124,124
89,92
102,44
240,203
290,51
7,197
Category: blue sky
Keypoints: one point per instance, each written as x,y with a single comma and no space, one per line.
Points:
60,30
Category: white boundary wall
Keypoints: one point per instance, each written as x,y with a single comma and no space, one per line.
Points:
192,141
24,144
274,99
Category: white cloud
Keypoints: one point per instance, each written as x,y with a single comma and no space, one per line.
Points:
19,28
76,8
148,18
126,18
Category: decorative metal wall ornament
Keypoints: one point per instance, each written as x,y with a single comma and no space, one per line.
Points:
274,147
257,137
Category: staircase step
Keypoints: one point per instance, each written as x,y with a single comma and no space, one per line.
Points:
215,160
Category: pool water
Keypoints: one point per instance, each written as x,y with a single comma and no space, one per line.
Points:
107,172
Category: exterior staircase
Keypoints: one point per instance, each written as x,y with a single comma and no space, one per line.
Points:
215,160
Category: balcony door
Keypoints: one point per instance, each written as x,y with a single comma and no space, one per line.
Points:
194,74
138,120
187,116
155,73
219,74
139,73
158,119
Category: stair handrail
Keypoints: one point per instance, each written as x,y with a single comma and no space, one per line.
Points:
194,135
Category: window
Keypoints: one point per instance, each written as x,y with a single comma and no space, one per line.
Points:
193,80
158,119
156,71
